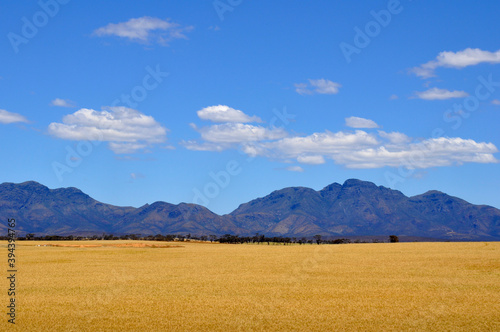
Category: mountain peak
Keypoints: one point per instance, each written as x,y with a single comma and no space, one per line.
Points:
332,187
31,183
434,192
357,183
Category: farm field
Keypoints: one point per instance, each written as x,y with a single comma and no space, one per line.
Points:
187,286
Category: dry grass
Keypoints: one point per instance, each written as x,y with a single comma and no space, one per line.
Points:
202,286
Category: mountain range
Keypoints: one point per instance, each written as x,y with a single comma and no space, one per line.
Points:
355,208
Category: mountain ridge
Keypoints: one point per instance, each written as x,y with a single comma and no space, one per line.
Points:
354,208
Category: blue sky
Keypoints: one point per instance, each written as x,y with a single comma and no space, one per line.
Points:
220,102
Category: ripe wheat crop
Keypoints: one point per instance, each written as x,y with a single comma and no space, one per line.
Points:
208,287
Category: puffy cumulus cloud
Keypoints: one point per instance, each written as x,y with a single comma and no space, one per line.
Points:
323,86
363,150
9,117
427,153
460,59
145,29
127,130
355,122
223,113
317,144
239,133
352,149
231,135
232,132
395,137
319,86
440,94
62,103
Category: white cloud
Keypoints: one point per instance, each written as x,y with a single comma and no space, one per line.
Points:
323,86
428,153
357,149
460,59
127,130
223,113
8,117
395,137
318,144
393,97
495,102
62,102
311,159
440,94
231,135
239,133
294,169
145,29
363,150
355,122
319,86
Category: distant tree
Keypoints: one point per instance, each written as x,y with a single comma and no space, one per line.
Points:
393,238
341,241
317,238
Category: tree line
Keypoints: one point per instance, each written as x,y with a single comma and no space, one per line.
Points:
226,238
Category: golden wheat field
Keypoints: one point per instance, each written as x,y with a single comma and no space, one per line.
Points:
225,287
